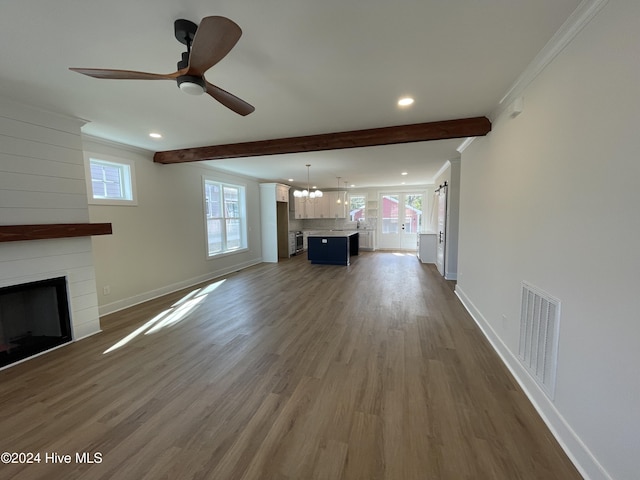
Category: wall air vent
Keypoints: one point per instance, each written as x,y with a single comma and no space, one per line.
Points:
539,331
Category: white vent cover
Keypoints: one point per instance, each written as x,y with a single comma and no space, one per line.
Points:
539,330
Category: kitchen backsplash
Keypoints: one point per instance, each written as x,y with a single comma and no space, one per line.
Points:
326,224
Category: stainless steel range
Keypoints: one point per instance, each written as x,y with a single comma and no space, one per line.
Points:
299,242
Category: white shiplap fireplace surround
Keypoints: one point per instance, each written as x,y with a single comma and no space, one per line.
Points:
42,182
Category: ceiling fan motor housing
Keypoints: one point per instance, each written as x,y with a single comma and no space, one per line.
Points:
191,85
184,63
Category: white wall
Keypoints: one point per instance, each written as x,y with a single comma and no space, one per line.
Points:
42,182
158,246
551,197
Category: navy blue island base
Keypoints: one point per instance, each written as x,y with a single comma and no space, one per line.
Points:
332,248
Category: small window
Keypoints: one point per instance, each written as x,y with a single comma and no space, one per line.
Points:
225,217
357,207
110,182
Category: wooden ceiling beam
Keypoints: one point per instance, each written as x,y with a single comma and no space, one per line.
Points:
418,132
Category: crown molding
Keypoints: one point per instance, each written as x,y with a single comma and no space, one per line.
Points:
463,146
113,144
580,17
443,168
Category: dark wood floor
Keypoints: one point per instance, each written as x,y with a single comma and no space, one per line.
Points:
284,371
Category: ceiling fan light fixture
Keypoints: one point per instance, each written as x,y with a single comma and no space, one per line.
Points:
191,85
216,37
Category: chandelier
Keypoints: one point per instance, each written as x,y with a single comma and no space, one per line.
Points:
307,194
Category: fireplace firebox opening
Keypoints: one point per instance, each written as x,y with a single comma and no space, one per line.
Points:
34,318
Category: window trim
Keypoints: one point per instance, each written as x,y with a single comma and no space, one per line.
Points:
244,229
116,161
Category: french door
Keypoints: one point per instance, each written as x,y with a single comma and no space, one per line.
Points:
400,220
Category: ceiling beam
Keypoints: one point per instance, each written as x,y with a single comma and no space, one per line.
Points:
418,132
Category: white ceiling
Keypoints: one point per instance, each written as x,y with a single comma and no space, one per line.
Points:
308,67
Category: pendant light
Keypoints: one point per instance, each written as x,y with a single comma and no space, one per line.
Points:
338,201
346,193
308,194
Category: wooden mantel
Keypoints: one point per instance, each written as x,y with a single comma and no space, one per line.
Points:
16,233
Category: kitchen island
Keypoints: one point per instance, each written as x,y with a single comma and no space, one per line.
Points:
332,247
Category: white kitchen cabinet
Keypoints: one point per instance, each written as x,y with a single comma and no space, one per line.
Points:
299,209
337,210
322,206
308,209
367,239
282,193
427,247
304,208
326,206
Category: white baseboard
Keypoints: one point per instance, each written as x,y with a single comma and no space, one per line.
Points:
574,447
116,306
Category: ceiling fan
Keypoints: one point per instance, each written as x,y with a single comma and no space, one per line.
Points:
207,44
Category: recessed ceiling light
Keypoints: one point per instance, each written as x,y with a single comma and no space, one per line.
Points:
405,102
155,135
290,180
404,173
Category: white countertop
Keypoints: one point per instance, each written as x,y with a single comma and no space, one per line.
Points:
333,233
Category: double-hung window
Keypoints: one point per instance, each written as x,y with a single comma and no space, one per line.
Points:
225,217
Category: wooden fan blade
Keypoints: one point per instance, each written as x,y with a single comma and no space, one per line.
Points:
215,37
126,74
230,101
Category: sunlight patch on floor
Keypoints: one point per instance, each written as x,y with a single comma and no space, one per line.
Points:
171,316
186,297
137,332
177,315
